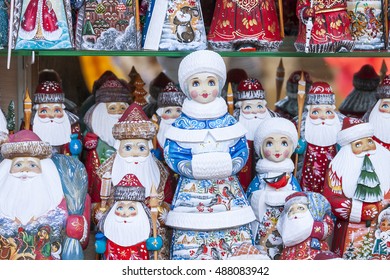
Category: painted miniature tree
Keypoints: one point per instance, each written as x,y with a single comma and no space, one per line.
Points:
350,252
139,92
365,250
368,184
132,75
11,123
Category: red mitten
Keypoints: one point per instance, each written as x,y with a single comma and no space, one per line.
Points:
318,230
75,226
370,211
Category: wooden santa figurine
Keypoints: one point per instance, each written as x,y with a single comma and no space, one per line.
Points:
305,224
357,187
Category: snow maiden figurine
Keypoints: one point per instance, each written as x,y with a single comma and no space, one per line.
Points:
275,141
324,26
245,25
206,146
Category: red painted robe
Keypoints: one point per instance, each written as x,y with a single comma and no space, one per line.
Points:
315,164
331,26
248,172
254,22
40,14
303,250
351,240
386,145
134,252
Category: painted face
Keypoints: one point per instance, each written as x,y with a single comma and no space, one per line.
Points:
126,209
297,210
384,106
363,145
321,112
50,110
26,164
203,87
255,106
171,112
384,225
277,147
134,148
116,108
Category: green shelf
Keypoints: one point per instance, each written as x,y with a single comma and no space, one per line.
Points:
286,50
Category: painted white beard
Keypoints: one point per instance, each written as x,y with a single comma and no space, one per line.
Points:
322,135
295,231
147,171
3,123
56,133
102,123
163,127
27,199
348,167
135,230
267,166
381,123
251,124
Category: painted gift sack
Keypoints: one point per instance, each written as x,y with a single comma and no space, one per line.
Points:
42,25
367,24
108,25
174,25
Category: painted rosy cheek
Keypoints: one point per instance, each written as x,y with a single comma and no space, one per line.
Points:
267,153
193,94
214,92
314,117
286,153
330,117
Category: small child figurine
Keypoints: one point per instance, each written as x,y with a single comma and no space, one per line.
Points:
127,224
324,27
304,226
381,248
275,141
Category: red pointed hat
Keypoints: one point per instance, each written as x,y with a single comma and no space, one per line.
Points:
170,96
109,88
320,93
25,143
354,129
249,89
129,189
49,92
383,90
134,124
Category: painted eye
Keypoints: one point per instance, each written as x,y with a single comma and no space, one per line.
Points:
301,208
370,142
43,111
260,107
119,208
33,165
315,112
57,111
178,110
169,111
142,148
329,112
385,106
195,83
123,108
358,145
247,107
285,143
269,144
18,164
128,148
131,208
211,83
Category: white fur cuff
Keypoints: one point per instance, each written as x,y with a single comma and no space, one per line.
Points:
356,211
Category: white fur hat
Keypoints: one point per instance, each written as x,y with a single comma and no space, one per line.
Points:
354,129
202,61
275,125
